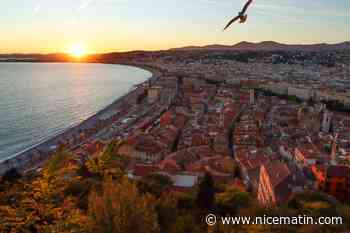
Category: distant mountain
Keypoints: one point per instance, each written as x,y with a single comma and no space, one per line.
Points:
270,45
207,47
241,46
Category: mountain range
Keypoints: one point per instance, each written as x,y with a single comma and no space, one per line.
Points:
270,45
242,46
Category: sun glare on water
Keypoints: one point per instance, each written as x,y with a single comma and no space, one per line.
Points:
78,50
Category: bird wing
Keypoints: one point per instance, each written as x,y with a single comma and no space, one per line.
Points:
231,22
245,8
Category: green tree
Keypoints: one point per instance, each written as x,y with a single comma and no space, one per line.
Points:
328,148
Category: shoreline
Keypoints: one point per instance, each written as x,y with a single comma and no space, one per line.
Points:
35,155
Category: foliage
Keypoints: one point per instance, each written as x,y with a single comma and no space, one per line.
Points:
299,200
56,162
328,148
230,167
109,164
11,176
231,201
41,206
293,98
69,197
154,184
167,213
120,208
186,201
206,192
55,200
186,222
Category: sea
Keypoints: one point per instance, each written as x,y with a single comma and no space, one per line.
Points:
40,100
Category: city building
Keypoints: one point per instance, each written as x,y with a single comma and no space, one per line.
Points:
252,96
277,183
333,180
326,121
153,94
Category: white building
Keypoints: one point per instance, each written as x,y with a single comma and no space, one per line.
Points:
326,121
301,93
252,96
153,94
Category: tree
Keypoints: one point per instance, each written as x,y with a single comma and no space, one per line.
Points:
57,161
109,163
186,223
154,184
231,201
206,192
311,200
328,148
120,208
167,213
11,175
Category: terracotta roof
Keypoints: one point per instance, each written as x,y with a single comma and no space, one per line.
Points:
142,170
170,166
309,152
148,144
281,180
179,189
277,172
253,161
192,154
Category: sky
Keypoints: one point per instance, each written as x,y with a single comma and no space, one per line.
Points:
99,26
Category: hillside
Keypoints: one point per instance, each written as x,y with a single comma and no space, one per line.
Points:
270,45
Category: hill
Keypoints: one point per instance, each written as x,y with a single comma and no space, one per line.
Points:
270,45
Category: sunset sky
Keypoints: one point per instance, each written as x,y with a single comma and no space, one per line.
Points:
119,25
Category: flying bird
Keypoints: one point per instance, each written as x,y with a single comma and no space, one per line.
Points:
242,16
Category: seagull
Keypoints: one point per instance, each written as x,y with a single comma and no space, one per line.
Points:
242,16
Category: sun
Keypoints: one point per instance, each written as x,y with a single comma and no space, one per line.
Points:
77,50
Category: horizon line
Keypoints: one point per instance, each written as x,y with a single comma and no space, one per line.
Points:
174,48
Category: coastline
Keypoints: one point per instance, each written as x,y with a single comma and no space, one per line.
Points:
30,158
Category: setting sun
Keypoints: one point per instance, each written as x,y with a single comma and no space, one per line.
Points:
78,50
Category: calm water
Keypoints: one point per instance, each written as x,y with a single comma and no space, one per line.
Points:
38,101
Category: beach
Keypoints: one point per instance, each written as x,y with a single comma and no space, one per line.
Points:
35,156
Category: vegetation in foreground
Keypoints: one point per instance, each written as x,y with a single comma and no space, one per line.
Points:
97,196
